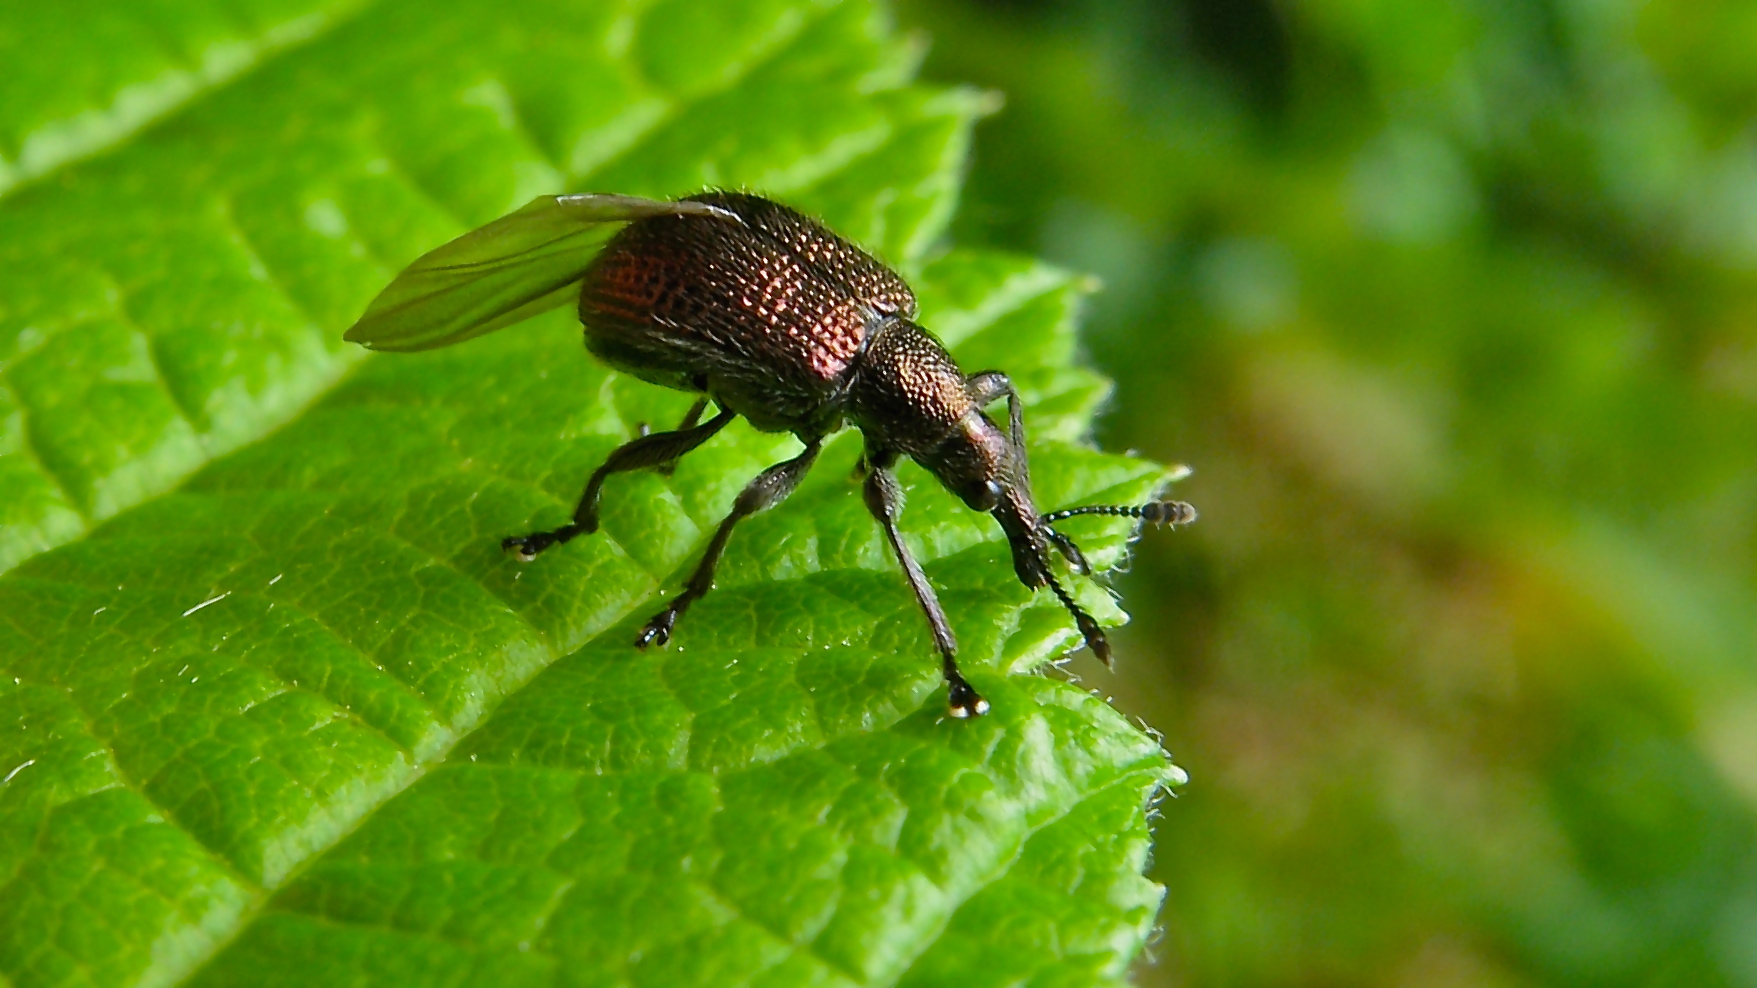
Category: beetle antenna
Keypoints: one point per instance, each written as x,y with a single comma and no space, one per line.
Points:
1089,628
1173,513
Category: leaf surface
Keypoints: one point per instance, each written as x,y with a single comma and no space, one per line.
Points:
276,709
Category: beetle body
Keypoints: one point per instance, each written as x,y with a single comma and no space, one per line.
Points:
769,315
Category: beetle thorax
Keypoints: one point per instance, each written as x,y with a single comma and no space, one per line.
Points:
908,395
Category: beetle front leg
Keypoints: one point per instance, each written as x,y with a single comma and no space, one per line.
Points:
646,451
1069,550
989,386
770,488
884,498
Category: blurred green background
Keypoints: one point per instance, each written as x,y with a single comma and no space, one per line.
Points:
1450,305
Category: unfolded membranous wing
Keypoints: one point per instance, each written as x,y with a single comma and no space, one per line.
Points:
522,264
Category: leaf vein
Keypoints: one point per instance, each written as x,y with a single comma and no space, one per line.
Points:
127,782
1004,868
274,43
258,263
349,646
37,451
808,948
477,582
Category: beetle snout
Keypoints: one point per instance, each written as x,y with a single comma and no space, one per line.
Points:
973,463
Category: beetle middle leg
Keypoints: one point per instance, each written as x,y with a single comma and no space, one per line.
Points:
646,451
770,488
884,498
690,418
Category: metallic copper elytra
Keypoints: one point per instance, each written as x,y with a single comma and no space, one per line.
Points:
780,307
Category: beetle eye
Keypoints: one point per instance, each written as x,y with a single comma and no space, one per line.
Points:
983,495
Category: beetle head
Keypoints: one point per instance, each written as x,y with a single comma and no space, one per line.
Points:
910,397
975,461
989,469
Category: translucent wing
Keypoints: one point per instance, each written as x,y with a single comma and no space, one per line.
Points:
524,263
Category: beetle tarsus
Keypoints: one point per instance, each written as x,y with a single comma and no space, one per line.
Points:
658,630
962,700
529,546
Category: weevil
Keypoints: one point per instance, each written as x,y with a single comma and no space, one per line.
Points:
765,313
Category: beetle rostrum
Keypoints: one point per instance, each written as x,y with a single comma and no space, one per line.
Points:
765,313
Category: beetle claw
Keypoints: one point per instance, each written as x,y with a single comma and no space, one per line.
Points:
526,546
962,700
658,630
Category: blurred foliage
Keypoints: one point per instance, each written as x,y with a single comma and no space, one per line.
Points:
1450,306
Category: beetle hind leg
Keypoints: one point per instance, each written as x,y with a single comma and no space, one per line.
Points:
646,451
770,488
690,418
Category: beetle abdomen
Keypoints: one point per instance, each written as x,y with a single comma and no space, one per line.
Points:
772,312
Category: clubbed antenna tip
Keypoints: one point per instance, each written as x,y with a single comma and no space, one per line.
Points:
1172,513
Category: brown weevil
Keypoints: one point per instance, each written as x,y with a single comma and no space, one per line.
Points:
769,315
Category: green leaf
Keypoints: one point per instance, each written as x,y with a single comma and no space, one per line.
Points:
274,708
